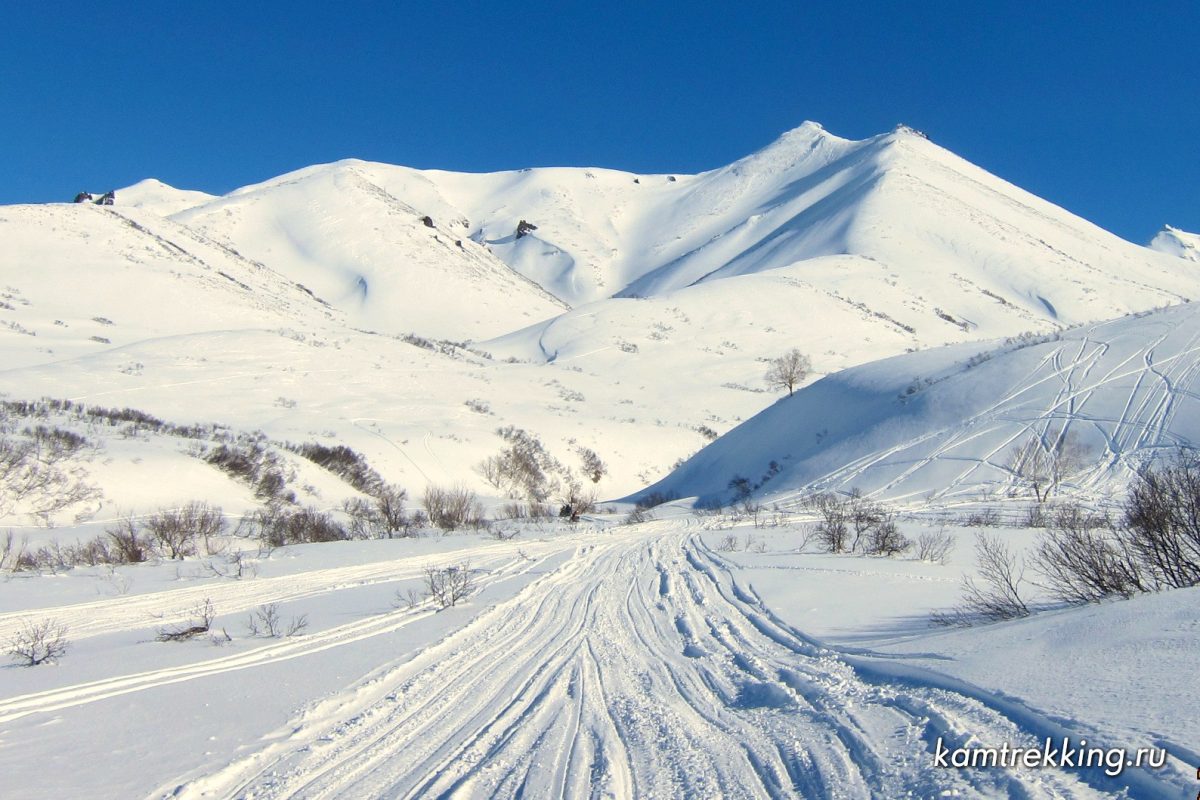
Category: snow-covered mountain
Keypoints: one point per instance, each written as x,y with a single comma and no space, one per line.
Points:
1175,242
634,314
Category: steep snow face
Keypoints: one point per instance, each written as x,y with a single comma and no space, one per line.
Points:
1175,242
387,264
944,424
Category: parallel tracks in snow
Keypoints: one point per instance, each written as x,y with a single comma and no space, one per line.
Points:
638,668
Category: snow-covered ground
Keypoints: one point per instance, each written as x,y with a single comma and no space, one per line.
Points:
621,661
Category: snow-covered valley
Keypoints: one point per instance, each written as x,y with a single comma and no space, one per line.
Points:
298,351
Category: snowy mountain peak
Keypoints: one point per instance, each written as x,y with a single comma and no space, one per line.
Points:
1175,242
154,195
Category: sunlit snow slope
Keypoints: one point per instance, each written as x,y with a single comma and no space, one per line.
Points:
943,424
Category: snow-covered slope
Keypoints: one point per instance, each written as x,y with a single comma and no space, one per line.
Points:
389,265
943,424
1175,242
81,279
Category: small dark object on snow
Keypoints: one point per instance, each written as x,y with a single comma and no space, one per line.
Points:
524,228
428,221
83,197
107,199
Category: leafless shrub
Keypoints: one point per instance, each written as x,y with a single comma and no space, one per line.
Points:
250,461
728,544
934,546
999,596
381,516
448,585
1042,461
864,517
637,516
198,625
807,534
524,468
593,466
38,643
832,530
1161,526
453,508
175,532
266,621
478,406
11,552
277,526
577,501
884,538
128,544
530,511
1081,564
1036,516
982,518
36,474
502,534
409,598
344,462
235,566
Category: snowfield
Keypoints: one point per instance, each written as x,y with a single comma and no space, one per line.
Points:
311,343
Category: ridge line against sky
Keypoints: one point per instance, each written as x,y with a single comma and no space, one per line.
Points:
1091,106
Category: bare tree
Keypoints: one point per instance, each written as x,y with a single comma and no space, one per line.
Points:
1041,462
788,370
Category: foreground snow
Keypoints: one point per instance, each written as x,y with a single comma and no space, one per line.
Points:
628,661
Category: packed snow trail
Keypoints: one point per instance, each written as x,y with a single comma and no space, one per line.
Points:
637,669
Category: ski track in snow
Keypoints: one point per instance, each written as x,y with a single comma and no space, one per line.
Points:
639,668
1144,423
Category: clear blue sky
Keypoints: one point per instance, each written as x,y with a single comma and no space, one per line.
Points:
1092,105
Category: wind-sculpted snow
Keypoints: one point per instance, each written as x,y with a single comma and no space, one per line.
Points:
943,424
639,669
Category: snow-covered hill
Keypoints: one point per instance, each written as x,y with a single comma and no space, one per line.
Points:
1175,242
252,309
943,424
